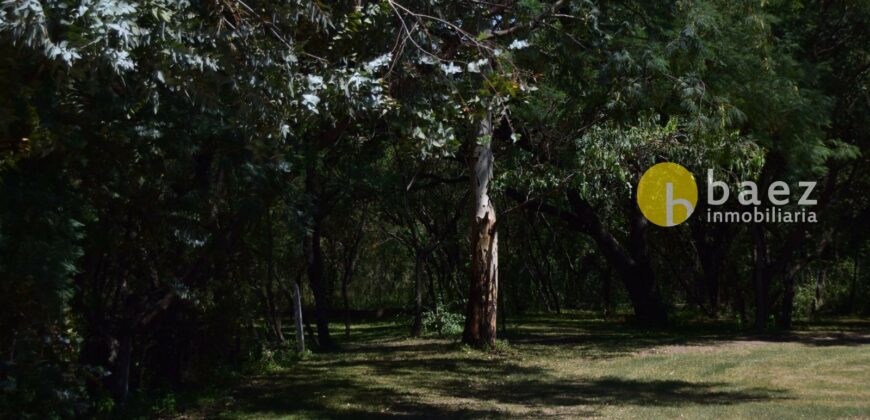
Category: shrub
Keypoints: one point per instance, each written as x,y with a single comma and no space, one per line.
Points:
442,322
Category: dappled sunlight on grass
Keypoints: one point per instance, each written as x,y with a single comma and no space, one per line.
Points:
562,366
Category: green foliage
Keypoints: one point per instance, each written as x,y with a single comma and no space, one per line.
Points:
441,321
167,168
277,358
39,246
804,299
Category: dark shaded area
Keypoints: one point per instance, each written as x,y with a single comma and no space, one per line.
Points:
309,390
611,390
820,339
282,396
610,339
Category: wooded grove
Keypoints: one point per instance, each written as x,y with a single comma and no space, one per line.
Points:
190,187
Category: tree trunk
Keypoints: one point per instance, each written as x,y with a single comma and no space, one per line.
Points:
350,255
761,280
344,282
712,243
632,264
272,307
121,368
642,288
297,316
545,271
417,327
318,288
648,308
818,300
536,276
314,255
502,319
853,289
785,318
607,286
433,291
279,327
481,313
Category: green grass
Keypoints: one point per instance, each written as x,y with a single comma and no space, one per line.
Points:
569,367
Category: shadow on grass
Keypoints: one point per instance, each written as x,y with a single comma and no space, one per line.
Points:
421,381
319,397
598,339
819,339
619,391
316,397
328,390
378,373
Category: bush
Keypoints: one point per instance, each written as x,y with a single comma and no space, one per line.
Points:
442,322
272,358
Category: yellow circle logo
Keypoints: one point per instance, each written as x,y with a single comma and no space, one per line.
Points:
667,194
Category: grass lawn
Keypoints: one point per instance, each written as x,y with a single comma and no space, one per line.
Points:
569,367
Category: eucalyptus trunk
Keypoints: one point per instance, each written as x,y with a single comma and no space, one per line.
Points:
480,317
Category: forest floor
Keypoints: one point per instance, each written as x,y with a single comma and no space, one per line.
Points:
565,367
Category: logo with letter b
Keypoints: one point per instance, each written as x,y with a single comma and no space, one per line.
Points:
667,194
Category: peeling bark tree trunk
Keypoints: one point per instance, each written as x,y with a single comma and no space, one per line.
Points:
480,317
